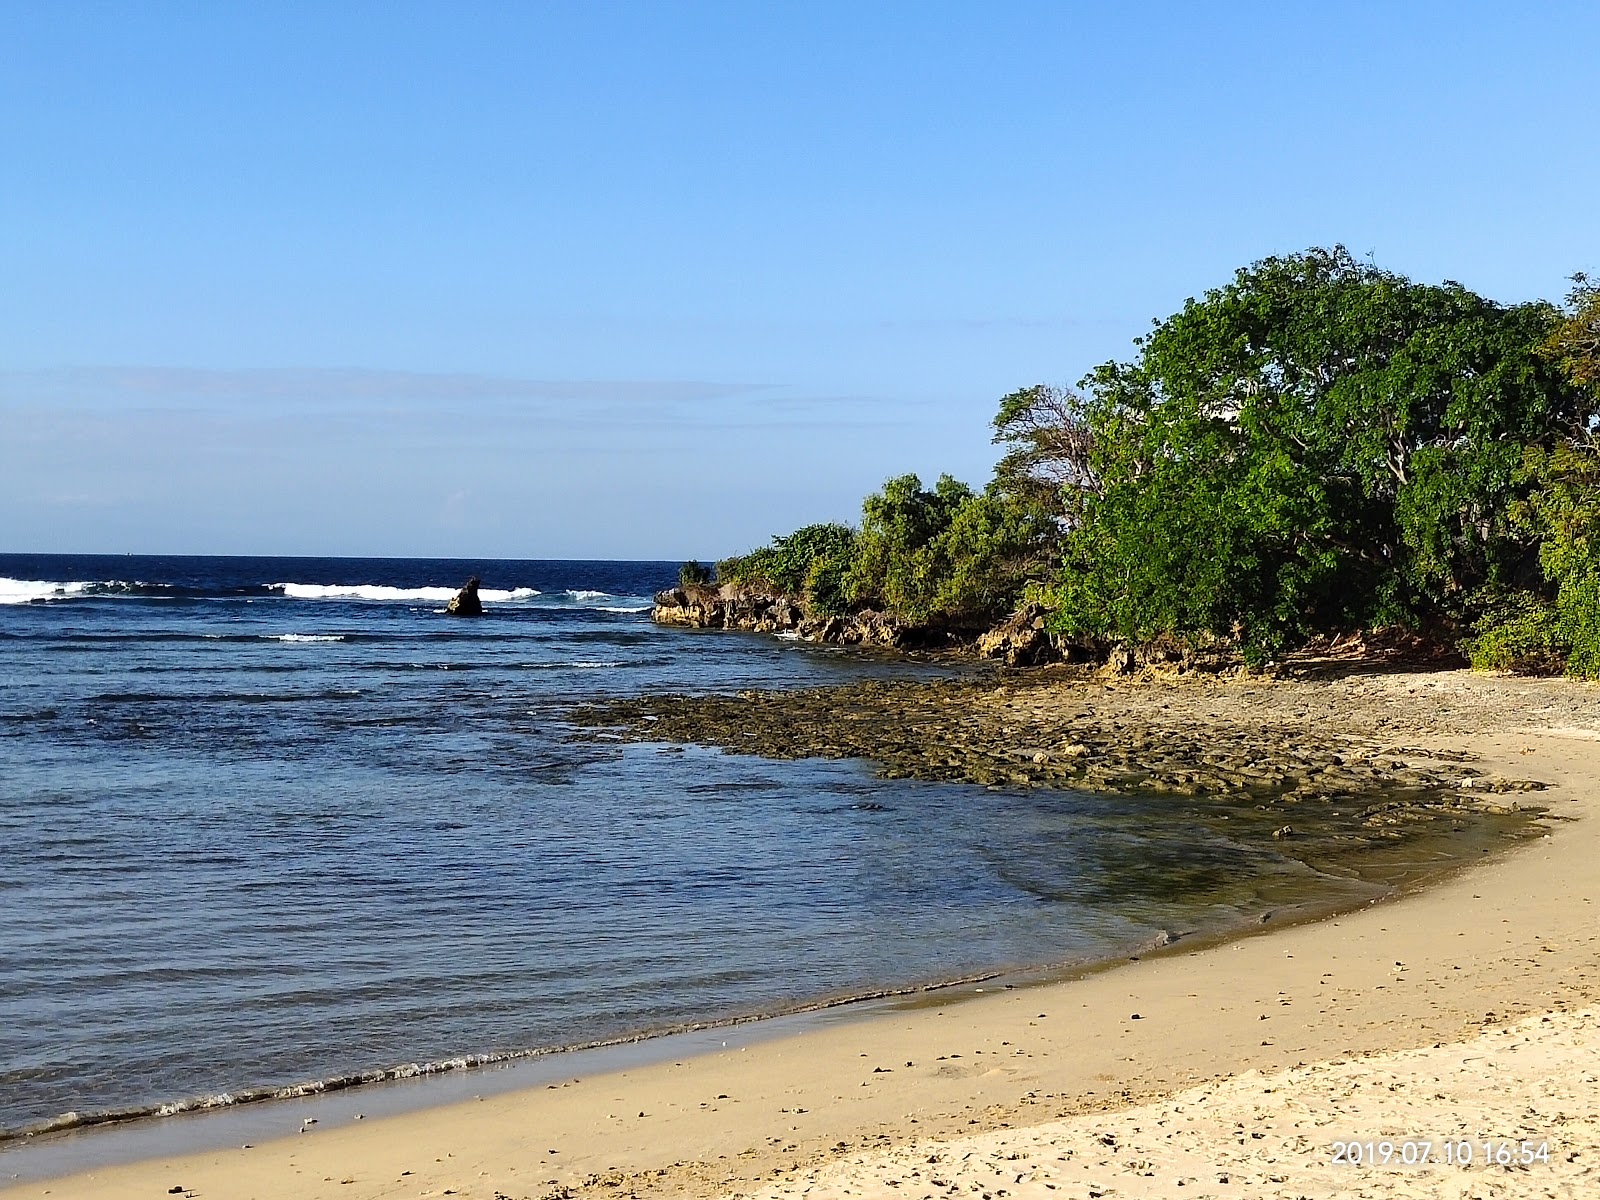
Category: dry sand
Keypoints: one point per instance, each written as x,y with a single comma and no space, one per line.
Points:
1223,1071
1308,1131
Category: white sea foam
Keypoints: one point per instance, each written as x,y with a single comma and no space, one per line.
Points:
360,591
377,591
305,637
25,591
621,608
587,594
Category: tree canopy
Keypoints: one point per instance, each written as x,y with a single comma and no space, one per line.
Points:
1318,446
942,556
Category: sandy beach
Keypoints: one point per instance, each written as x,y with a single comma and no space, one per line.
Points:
1462,1013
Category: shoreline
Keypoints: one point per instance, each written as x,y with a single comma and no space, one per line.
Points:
66,1142
370,1085
182,1126
1533,951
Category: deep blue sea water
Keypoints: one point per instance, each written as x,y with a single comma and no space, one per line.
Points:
275,820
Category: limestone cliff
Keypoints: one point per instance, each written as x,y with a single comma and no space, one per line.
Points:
1019,641
706,606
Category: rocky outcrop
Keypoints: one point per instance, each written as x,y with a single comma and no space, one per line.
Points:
1021,640
1042,729
706,606
465,603
1165,655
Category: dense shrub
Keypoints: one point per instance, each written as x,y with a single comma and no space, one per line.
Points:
693,574
1556,626
1319,445
947,555
1519,631
809,562
1555,622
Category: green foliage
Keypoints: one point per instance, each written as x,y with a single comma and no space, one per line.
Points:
733,569
894,566
947,554
1519,632
1318,445
1574,345
809,562
1048,441
1563,511
824,582
1558,625
693,574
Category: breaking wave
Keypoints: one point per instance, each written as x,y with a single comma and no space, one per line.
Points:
27,591
39,591
463,1062
377,591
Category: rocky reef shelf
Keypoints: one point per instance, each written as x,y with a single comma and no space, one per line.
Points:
1065,727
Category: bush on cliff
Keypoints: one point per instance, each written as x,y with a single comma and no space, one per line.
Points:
810,562
941,556
1317,447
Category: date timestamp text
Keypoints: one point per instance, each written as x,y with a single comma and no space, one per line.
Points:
1449,1152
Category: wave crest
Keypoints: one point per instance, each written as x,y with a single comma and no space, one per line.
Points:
26,591
383,592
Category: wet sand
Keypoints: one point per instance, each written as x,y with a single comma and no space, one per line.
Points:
1420,1018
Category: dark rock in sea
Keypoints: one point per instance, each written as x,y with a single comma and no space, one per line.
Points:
465,603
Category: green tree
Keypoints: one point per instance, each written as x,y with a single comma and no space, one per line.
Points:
1574,344
1045,431
893,568
948,554
1318,445
1557,624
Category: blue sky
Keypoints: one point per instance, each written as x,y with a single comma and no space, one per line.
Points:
660,280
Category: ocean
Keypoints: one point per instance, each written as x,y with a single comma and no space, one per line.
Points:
271,822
